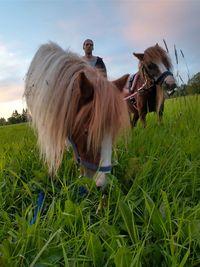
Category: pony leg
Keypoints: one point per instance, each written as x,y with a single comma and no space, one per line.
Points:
160,114
131,119
135,119
143,119
160,99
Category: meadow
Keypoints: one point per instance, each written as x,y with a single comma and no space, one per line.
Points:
152,217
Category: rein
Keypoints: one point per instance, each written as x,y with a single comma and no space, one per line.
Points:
135,93
88,165
133,85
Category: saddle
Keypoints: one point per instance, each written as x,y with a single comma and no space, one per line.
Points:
132,85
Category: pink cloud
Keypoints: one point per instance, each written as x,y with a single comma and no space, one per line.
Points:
147,22
11,91
12,72
151,21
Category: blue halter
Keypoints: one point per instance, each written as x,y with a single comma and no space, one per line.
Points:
88,165
38,207
162,77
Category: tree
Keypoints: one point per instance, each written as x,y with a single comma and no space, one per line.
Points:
24,116
2,121
15,118
194,85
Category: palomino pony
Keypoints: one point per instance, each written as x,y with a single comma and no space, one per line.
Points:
147,91
71,103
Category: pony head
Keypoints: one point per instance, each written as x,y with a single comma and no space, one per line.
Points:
155,64
71,103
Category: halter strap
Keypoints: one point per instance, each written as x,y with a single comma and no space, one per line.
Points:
88,165
134,78
163,76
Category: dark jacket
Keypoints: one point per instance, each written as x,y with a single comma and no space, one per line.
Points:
100,65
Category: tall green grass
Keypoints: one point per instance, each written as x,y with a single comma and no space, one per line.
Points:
152,216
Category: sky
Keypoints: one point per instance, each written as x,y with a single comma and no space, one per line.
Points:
117,27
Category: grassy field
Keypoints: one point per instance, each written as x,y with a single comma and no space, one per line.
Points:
153,212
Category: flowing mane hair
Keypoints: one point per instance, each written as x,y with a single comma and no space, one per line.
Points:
156,52
52,92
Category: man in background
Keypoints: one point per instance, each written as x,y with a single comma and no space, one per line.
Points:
94,61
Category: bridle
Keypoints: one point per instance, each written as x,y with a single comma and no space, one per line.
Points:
160,79
153,82
87,164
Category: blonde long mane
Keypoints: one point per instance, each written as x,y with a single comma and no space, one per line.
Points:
52,92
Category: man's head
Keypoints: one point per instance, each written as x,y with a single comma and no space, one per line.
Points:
88,46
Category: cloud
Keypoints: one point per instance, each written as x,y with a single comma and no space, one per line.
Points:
147,22
12,71
11,90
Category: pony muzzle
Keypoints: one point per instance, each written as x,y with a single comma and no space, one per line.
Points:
170,82
99,177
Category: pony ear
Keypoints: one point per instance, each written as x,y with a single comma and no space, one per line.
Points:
121,82
139,56
156,45
86,88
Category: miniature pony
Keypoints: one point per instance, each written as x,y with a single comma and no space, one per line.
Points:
147,90
71,103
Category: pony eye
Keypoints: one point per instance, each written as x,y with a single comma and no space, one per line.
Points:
151,66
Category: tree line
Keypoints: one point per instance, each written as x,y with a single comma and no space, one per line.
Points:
191,88
15,118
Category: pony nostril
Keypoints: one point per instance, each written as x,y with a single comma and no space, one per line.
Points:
169,80
173,86
169,85
171,90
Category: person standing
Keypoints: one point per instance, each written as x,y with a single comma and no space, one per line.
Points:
94,61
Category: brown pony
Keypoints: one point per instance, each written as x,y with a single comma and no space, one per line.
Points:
148,87
71,103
